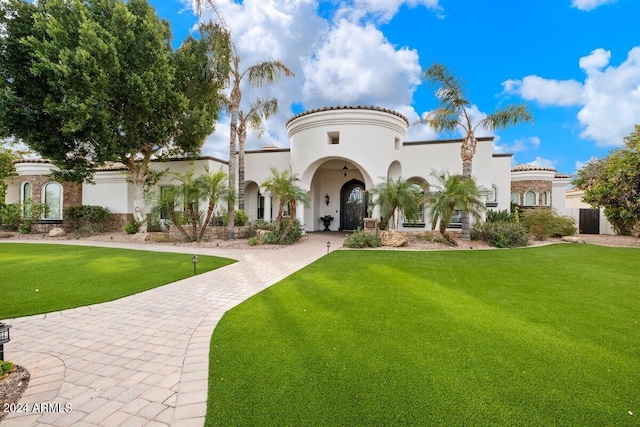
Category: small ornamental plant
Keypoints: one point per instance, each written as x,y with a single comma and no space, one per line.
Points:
5,368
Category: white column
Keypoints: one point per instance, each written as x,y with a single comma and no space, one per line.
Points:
267,207
300,212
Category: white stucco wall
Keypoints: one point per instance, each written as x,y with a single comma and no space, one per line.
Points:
501,178
109,190
370,139
12,190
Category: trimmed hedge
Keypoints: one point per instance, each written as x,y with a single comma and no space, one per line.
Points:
87,219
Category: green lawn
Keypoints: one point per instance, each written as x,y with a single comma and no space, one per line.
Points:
527,337
40,278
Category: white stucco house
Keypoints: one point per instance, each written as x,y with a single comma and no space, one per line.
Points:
337,152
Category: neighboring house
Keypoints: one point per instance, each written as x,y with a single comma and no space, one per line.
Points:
339,153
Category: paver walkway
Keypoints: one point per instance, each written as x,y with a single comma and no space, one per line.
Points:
141,360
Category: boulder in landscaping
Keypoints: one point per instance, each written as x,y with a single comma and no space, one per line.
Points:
393,238
57,232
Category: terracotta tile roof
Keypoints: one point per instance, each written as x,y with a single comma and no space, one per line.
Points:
526,168
349,107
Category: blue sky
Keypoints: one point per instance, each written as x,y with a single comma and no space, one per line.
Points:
575,63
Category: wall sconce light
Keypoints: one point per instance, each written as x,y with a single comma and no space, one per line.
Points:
326,199
345,169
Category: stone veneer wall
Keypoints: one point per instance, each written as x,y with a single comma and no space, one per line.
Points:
212,233
71,193
532,185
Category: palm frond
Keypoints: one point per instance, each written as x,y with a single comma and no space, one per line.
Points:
510,115
267,72
442,119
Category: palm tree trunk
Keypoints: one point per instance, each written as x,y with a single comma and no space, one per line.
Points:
468,150
233,133
206,220
466,223
242,135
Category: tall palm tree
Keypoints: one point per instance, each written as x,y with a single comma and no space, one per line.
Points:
453,192
453,114
284,186
399,198
259,112
257,75
266,72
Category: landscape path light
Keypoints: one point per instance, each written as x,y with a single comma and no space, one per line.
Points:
194,260
4,337
328,246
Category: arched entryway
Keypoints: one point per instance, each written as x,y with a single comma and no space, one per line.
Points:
352,205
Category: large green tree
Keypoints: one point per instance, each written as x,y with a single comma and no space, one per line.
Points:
454,113
614,183
86,82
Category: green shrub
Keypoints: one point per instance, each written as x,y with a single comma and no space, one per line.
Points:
296,232
253,241
254,226
11,216
503,215
360,239
544,223
241,218
504,234
87,219
20,217
132,227
5,368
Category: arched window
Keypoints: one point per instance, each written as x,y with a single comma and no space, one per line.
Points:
546,199
493,194
492,197
530,198
515,197
26,196
52,198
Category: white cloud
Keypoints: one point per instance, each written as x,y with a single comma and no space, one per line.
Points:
611,105
546,91
542,162
518,146
357,65
609,97
342,60
381,11
587,5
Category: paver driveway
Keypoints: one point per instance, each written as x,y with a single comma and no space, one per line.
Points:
143,359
